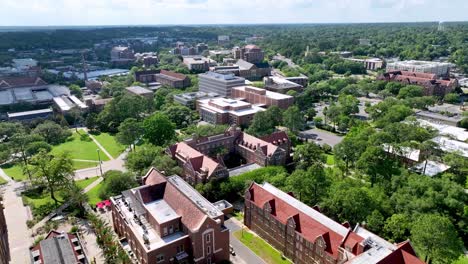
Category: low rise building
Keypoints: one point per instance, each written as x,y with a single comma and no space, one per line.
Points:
66,103
201,47
173,79
30,115
259,96
304,235
33,91
4,245
222,84
371,64
198,63
148,59
440,69
250,53
58,247
281,85
200,159
190,99
227,111
432,86
223,39
122,55
140,91
253,71
168,221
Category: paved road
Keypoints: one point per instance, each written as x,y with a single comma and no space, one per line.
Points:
322,137
114,164
243,254
16,215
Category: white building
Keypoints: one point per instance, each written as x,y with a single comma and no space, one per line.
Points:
437,68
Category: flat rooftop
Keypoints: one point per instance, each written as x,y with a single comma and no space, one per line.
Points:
138,90
223,77
161,211
27,113
269,94
420,63
222,102
446,130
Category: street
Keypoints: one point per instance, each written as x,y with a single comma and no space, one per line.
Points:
321,137
243,254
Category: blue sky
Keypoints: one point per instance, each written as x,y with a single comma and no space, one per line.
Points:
155,12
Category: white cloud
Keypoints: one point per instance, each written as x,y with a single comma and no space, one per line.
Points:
120,12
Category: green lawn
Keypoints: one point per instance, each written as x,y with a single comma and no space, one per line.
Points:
2,181
79,149
84,183
330,160
78,165
93,195
38,199
14,171
109,142
238,215
260,247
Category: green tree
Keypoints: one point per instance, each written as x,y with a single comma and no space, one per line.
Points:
115,182
139,162
264,123
180,115
91,121
19,144
158,129
411,91
452,98
293,119
52,132
312,185
397,227
307,155
130,130
76,90
54,172
435,238
375,162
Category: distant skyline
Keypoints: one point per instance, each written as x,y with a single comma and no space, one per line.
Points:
162,12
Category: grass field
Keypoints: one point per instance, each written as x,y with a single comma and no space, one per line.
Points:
79,149
264,250
14,171
78,165
109,142
2,181
38,199
330,160
93,195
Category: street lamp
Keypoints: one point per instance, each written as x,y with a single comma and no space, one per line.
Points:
100,162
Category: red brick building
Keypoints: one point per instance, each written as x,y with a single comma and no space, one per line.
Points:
261,96
168,78
429,81
227,111
305,235
200,163
250,53
168,221
4,246
58,247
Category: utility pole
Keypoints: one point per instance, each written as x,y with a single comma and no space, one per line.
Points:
100,162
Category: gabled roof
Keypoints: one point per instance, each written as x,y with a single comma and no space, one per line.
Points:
21,81
176,75
199,161
405,254
276,138
312,224
252,142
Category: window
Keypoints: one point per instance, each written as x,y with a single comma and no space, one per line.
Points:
208,237
171,229
180,248
165,231
208,250
160,258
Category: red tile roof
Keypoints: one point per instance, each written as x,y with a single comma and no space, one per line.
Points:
420,75
21,81
310,228
253,143
276,138
251,46
174,74
198,161
403,255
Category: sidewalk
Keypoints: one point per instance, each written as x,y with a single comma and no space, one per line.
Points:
16,215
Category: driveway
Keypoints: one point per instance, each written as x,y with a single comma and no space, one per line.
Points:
321,137
16,215
243,254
